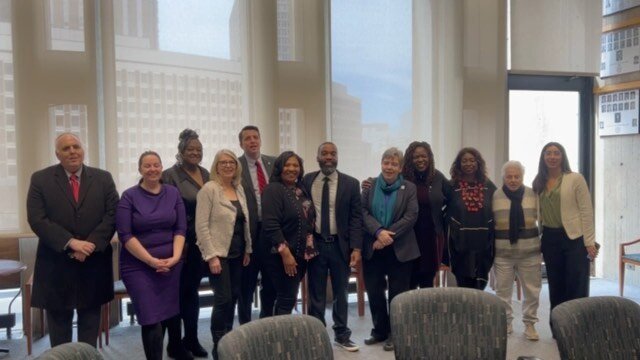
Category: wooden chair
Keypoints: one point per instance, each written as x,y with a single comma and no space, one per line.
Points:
26,315
356,272
633,258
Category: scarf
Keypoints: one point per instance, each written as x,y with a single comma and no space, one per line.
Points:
516,214
384,199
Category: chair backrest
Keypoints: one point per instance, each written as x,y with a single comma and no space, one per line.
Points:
278,337
603,327
451,323
71,351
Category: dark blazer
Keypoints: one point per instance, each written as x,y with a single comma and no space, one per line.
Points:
405,214
188,188
250,192
348,211
60,282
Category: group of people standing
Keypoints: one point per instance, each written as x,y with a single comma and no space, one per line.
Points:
256,217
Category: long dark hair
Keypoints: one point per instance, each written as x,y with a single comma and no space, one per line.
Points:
540,181
278,166
409,169
456,166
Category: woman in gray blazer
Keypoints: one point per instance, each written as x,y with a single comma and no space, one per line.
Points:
568,235
390,210
224,238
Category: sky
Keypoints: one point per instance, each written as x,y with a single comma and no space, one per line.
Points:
371,54
197,27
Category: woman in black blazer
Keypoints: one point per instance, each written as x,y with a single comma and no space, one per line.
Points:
390,209
288,219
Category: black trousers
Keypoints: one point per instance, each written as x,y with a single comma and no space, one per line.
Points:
329,261
193,270
226,289
419,278
381,270
286,286
567,266
60,323
257,266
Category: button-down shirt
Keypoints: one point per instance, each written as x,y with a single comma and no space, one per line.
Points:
253,171
316,195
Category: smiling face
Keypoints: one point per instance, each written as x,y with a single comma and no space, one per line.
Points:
391,168
552,157
70,152
226,168
468,165
513,178
328,158
192,154
150,169
250,143
290,171
420,158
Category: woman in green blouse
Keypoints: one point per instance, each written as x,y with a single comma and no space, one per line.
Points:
568,235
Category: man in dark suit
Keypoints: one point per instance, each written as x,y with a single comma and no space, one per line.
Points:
256,169
71,208
338,234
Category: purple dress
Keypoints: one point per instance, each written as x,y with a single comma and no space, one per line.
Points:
153,219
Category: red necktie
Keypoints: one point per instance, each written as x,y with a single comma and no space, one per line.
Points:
262,181
75,186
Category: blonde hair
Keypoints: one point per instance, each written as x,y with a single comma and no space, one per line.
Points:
237,176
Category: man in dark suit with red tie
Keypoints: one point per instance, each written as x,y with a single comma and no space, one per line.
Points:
256,169
71,208
338,236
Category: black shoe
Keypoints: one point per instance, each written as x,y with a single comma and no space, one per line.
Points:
372,340
195,348
388,345
347,344
178,352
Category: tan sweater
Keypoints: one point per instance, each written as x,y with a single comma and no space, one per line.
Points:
216,218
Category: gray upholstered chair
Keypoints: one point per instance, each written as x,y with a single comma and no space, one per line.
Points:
278,337
449,323
71,351
604,327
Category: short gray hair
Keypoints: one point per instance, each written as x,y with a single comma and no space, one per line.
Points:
512,164
393,152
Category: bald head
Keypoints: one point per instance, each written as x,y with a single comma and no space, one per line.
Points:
70,152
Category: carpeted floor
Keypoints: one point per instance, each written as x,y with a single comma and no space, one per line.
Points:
126,344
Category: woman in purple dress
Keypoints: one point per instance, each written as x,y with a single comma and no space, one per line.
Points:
151,225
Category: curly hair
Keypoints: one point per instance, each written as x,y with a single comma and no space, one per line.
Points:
183,141
409,169
278,167
456,166
540,181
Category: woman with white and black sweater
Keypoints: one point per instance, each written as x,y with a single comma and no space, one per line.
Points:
222,227
515,211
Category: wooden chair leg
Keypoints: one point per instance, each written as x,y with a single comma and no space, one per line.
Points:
621,280
305,294
518,289
360,290
26,316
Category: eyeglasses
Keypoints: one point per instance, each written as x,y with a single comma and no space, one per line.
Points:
229,163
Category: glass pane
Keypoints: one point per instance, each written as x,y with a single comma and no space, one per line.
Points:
290,120
65,24
8,158
289,33
178,65
538,117
371,100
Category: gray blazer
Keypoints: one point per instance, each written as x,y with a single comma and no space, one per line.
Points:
405,214
249,190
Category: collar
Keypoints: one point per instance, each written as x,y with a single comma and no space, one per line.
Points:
78,173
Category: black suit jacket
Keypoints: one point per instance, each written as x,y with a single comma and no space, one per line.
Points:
405,214
348,211
60,282
252,201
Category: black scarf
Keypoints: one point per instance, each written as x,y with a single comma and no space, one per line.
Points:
516,214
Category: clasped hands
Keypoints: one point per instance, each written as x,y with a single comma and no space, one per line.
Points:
384,239
163,265
81,249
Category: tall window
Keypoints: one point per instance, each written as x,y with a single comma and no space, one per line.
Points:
371,69
65,24
179,64
8,171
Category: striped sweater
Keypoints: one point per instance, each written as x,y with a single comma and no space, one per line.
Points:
529,242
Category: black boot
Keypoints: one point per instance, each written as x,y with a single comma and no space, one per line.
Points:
175,349
217,335
193,345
